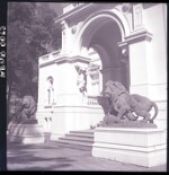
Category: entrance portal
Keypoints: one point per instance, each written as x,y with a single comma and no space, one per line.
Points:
103,37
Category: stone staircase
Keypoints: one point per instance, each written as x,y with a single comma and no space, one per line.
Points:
78,140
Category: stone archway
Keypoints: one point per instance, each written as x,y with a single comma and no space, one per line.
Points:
103,34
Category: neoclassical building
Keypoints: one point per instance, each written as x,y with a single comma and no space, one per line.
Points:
126,42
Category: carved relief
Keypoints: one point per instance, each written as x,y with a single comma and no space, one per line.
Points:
137,15
81,79
94,73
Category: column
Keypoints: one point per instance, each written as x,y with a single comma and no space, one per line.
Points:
139,50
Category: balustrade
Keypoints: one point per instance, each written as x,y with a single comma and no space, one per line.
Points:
92,100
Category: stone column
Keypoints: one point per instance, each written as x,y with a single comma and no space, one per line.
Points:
66,37
142,70
139,52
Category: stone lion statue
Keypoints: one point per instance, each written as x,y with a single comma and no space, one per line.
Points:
27,109
129,106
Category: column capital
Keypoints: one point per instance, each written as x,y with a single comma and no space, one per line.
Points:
64,24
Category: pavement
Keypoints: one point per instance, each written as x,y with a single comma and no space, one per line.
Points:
52,157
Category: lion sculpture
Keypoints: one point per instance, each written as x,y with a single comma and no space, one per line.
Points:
129,106
27,109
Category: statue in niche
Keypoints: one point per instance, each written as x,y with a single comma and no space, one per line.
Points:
81,80
50,90
129,108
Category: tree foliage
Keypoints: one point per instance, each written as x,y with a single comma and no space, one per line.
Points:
31,33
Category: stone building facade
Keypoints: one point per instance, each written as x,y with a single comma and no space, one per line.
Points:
126,42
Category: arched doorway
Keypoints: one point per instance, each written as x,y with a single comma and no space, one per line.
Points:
103,35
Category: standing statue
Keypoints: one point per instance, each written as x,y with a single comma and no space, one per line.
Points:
50,90
129,107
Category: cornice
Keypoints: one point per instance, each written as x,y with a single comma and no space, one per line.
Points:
72,12
66,59
137,36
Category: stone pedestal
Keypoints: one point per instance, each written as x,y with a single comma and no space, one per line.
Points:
143,146
25,133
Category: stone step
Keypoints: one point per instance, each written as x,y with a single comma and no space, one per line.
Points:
83,131
78,140
88,133
74,138
80,135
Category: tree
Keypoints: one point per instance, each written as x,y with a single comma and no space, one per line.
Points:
31,33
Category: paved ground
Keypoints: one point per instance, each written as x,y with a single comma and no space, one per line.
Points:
51,157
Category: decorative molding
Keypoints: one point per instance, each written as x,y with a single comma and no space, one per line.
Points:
73,59
47,56
142,35
46,64
127,8
63,59
137,36
73,12
122,44
124,48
